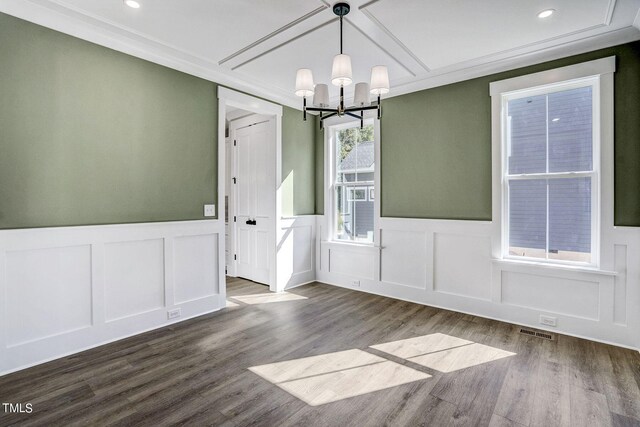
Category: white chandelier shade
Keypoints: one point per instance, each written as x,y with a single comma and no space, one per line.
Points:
304,82
361,95
379,80
321,96
341,74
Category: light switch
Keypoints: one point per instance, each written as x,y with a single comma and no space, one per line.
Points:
209,210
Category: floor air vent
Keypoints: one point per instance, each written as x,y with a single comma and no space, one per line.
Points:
539,334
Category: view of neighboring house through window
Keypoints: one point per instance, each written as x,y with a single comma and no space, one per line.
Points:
550,176
354,182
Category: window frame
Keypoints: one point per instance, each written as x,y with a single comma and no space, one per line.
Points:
594,174
330,127
599,75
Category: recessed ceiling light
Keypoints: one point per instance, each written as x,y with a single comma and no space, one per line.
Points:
132,3
546,13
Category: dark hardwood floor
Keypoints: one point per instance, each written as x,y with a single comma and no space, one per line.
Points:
427,367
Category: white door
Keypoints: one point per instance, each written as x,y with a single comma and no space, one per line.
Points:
256,196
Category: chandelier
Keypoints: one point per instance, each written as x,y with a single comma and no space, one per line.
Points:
341,76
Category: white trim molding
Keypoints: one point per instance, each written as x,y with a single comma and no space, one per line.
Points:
68,19
67,289
329,172
599,74
449,264
258,106
456,265
556,75
296,251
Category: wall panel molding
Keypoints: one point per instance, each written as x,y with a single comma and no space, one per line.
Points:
134,278
296,251
72,288
53,281
402,262
593,304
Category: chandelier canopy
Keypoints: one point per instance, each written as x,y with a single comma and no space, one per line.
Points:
341,76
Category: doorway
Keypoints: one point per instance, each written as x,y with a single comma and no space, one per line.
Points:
249,165
253,193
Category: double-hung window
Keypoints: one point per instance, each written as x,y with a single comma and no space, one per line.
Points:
352,181
550,170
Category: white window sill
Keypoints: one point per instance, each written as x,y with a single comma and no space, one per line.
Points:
549,266
349,244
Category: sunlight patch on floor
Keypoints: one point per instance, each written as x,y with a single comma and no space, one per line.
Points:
412,347
267,298
461,357
442,352
335,376
231,304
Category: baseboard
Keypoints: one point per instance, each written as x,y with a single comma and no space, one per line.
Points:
101,284
300,284
109,341
539,327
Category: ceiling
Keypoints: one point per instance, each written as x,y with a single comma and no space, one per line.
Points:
257,45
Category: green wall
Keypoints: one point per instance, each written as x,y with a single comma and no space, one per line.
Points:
93,136
298,160
89,135
436,145
436,153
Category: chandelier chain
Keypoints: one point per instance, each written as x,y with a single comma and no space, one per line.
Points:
341,34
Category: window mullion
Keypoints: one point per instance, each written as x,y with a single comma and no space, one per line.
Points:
546,115
546,253
552,175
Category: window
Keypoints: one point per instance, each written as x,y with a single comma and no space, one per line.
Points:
551,178
548,146
353,181
356,193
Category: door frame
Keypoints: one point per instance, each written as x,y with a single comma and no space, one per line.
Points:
235,126
252,104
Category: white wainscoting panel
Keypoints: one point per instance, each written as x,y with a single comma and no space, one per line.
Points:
449,264
67,289
403,260
48,293
302,249
558,295
352,261
195,260
451,251
296,251
620,285
134,278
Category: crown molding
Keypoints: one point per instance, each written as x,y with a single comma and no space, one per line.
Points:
57,16
475,69
62,19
